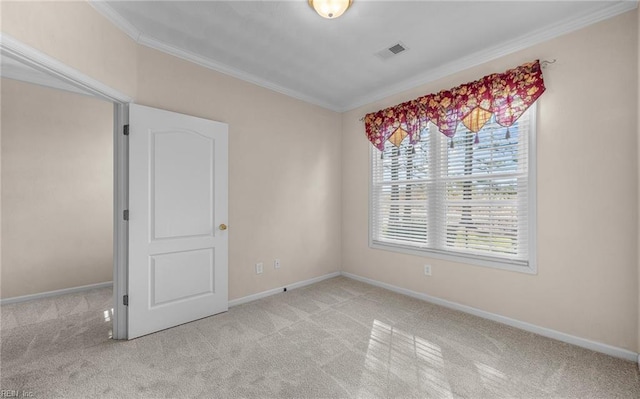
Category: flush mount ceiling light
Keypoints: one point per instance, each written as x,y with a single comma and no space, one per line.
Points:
330,9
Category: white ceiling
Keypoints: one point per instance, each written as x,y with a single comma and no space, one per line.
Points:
286,46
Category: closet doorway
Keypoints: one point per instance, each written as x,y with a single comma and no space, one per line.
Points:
64,172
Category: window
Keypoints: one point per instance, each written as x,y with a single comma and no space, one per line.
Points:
470,199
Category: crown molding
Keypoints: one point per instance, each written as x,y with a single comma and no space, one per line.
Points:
541,35
227,70
115,18
480,57
139,37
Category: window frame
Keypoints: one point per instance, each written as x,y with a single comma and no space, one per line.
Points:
473,259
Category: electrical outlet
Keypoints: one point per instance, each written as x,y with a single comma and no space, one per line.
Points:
259,268
276,264
427,270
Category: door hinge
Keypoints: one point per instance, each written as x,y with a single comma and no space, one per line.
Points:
125,130
125,214
125,300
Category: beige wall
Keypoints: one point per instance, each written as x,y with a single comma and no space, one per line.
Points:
57,194
284,154
74,33
587,282
284,170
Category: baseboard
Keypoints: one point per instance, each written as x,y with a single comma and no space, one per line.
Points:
31,297
264,294
546,332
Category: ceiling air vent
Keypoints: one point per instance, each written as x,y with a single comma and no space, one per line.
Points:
392,50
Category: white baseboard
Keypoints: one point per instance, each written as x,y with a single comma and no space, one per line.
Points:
546,332
47,294
264,294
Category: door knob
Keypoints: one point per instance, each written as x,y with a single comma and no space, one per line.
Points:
222,226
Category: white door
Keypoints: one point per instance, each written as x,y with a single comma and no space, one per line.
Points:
178,241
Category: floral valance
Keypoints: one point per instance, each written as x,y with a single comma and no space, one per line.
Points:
506,95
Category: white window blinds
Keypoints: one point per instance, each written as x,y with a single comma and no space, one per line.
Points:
467,197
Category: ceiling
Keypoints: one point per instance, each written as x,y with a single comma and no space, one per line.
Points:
287,47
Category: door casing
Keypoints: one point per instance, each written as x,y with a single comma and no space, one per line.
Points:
34,58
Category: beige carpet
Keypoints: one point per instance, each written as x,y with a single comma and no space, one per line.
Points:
335,339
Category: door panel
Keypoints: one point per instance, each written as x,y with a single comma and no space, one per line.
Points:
196,270
182,184
177,197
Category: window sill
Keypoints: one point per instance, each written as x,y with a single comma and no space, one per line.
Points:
529,268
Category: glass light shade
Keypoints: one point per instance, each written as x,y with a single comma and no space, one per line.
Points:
330,9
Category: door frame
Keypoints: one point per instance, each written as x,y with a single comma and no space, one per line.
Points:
32,57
